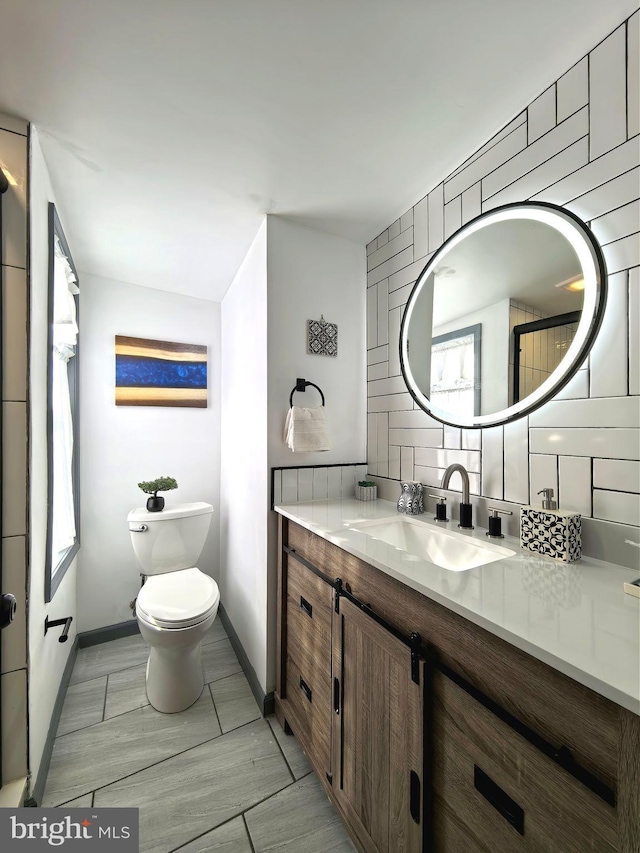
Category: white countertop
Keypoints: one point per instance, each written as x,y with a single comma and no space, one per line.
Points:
574,617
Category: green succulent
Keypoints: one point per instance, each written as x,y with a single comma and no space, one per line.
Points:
365,483
162,484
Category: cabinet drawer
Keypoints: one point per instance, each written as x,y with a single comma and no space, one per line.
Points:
308,709
308,585
507,796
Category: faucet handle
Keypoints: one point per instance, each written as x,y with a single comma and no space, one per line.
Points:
495,522
495,511
441,508
438,497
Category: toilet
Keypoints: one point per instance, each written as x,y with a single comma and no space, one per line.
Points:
177,603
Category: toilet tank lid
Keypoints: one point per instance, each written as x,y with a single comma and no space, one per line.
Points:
176,511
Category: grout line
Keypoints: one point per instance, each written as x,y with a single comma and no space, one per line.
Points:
214,706
281,750
246,826
104,703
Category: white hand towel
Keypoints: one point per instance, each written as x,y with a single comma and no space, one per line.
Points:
306,430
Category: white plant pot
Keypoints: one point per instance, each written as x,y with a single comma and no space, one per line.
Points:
366,493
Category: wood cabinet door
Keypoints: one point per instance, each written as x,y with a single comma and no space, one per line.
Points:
377,734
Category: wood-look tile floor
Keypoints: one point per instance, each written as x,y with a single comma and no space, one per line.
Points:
216,777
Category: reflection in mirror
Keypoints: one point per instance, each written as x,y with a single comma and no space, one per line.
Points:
63,522
529,280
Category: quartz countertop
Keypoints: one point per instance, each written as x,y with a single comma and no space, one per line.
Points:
574,617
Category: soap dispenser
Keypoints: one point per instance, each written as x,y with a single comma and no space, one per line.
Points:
548,531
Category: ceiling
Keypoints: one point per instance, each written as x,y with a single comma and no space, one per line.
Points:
170,129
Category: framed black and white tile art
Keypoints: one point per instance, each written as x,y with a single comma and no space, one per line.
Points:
322,337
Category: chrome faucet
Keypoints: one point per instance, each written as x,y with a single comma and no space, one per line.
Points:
465,506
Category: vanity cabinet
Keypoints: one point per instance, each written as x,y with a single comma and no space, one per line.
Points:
489,751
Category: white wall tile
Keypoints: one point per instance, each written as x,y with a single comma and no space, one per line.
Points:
439,457
544,475
633,75
377,371
492,159
433,477
378,354
634,331
573,89
416,437
289,485
305,484
569,131
14,469
14,334
600,443
334,483
607,197
420,229
542,114
574,474
493,462
618,223
408,274
391,248
597,412
576,388
616,506
383,312
406,220
611,165
516,468
320,484
372,317
608,357
452,437
397,262
501,134
277,487
383,238
395,319
372,443
361,472
472,439
394,462
391,403
14,570
406,463
394,230
607,93
391,385
383,444
398,298
415,419
471,203
372,246
452,216
14,724
435,204
348,473
623,254
616,475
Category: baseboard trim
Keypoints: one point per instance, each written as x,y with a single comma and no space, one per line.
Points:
37,791
108,633
265,701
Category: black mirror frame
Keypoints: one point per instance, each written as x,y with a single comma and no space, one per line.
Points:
507,415
52,583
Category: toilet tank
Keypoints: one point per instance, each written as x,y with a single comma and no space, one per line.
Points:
169,540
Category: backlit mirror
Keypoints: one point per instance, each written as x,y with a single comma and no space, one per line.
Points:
503,315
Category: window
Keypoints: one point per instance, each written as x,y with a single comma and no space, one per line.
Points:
455,371
63,523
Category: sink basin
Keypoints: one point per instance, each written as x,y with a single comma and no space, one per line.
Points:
447,549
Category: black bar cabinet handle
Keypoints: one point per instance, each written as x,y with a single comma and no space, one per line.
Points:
336,696
308,608
305,688
499,799
414,796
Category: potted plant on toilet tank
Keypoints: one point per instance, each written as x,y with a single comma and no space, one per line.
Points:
152,487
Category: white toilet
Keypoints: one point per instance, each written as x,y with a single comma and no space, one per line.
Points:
177,604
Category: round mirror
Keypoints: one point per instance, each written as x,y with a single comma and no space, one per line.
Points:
503,315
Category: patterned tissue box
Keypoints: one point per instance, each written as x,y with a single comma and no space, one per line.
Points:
551,533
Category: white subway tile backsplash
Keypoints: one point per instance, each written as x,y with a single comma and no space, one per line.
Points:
348,480
573,89
394,462
633,75
361,472
622,254
378,354
452,216
391,403
372,317
574,475
406,463
377,371
471,203
619,223
440,457
452,437
616,506
385,270
398,298
634,331
408,275
609,196
542,114
433,477
543,475
420,229
616,475
372,442
608,357
487,163
383,312
383,444
415,419
395,319
334,483
372,246
607,93
472,439
566,133
516,467
600,443
305,484
394,230
506,130
416,437
395,244
596,412
289,485
493,462
383,238
320,484
435,204
406,220
392,385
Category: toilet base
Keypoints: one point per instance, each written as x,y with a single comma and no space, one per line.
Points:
174,678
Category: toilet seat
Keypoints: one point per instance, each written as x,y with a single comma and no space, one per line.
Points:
177,599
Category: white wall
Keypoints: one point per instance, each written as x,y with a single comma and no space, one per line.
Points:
244,480
576,145
47,657
122,445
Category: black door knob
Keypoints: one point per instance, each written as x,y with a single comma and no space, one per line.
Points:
8,607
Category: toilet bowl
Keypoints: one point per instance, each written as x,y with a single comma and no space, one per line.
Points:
177,603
